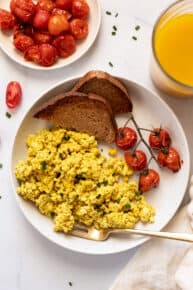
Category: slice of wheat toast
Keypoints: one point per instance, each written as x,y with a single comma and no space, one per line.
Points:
86,113
107,86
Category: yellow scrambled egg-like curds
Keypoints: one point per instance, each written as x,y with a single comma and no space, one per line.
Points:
68,179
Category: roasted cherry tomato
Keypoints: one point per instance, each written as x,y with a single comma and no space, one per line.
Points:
170,158
159,138
126,138
22,42
24,10
80,9
57,24
79,28
26,29
64,4
13,94
48,54
7,20
148,179
65,45
42,37
41,19
58,11
136,160
32,54
47,5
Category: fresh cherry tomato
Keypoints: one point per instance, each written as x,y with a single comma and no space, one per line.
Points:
32,54
148,179
42,37
22,42
170,158
65,45
58,11
47,5
57,24
41,19
48,54
126,138
24,10
79,28
159,138
26,29
64,4
13,94
136,160
7,20
80,9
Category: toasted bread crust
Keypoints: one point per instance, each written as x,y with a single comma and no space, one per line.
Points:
103,84
85,113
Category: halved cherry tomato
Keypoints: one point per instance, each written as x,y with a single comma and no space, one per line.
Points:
58,11
126,138
136,160
26,29
42,37
48,54
32,54
13,94
24,10
41,19
47,5
22,42
170,158
7,20
159,138
79,28
57,24
64,4
148,179
80,9
65,45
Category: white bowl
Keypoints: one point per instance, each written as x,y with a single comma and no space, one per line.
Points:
6,39
150,111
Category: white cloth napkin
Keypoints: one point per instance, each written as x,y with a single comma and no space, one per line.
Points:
162,264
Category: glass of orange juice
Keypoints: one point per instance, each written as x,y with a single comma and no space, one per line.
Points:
172,50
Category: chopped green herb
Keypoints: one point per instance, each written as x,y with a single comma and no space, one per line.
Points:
0,196
114,173
118,200
110,64
60,155
79,177
134,38
105,182
101,149
43,165
113,33
52,214
98,196
114,27
1,165
137,27
8,115
127,206
70,283
138,192
20,181
66,138
116,14
108,13
61,194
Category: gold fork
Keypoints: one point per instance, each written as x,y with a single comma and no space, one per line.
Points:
91,233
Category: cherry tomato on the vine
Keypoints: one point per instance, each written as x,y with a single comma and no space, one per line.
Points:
170,158
136,160
159,138
126,138
148,179
13,94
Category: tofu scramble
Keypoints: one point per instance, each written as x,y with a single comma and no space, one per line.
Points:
68,179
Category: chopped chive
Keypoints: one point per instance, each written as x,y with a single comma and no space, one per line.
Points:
52,214
110,64
101,149
134,38
70,283
137,27
66,138
114,173
105,182
8,115
116,14
115,27
113,33
1,165
98,196
0,196
43,165
127,206
138,192
108,13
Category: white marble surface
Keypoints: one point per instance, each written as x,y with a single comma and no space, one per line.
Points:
27,260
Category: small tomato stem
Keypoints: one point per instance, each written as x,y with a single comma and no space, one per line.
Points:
130,116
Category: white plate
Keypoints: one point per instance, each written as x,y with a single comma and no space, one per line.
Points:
150,111
94,22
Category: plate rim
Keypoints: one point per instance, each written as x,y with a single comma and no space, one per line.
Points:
32,66
138,242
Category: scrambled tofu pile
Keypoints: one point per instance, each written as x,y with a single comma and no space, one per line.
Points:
68,179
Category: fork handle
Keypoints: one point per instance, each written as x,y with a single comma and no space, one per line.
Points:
166,235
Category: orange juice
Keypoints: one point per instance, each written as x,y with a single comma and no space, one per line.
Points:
174,47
